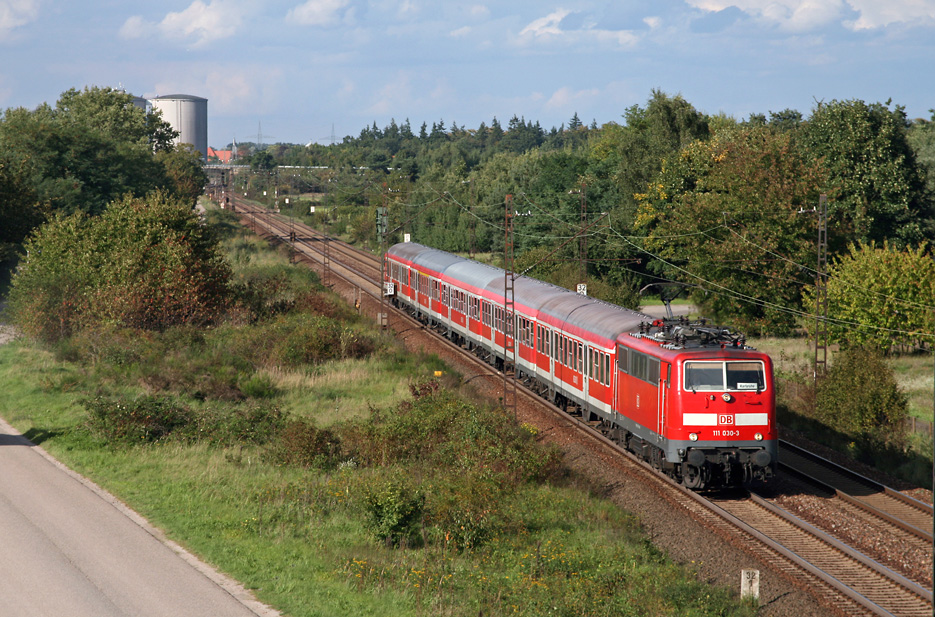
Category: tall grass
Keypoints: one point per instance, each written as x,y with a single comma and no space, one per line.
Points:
300,536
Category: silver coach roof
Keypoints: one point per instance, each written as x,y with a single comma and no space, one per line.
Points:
596,316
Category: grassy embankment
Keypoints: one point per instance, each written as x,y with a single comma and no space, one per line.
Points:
310,459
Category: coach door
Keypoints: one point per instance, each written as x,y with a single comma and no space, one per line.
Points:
665,372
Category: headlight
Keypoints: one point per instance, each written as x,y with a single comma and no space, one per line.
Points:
693,436
758,436
726,396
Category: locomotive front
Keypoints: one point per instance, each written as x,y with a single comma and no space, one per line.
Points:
720,428
722,420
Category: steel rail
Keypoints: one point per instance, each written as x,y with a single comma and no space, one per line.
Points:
903,511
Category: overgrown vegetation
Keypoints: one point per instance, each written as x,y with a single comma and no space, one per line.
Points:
856,407
421,502
144,263
366,489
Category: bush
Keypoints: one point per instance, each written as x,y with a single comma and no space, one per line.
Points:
885,291
139,421
303,339
859,396
394,512
303,445
144,263
245,423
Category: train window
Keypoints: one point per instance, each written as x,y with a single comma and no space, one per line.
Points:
579,357
722,376
706,376
746,376
606,376
623,359
548,338
640,365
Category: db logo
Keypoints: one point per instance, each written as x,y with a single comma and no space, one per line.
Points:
725,419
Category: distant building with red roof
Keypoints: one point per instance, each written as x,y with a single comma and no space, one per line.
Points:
221,156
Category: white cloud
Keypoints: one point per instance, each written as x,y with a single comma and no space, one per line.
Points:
478,11
205,22
320,12
877,13
16,13
549,28
461,32
797,15
135,28
803,15
546,26
565,99
230,89
200,23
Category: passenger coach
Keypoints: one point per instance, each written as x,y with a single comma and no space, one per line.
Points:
691,399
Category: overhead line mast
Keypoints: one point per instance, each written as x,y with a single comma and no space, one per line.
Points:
509,320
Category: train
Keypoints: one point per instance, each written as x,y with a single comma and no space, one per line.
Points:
691,399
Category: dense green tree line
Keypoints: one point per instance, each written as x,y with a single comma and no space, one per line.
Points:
725,208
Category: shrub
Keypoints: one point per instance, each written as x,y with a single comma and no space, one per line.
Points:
394,512
147,419
883,290
303,339
245,423
302,444
859,396
144,263
257,385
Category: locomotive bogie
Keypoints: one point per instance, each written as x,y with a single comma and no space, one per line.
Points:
701,413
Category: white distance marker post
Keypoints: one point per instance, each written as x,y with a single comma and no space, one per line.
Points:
750,584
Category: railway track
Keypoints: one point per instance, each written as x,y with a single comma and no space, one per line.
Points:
311,244
839,575
875,499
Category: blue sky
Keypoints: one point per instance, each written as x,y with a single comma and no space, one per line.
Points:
294,69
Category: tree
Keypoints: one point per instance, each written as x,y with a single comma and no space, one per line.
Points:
113,113
91,148
185,173
262,161
723,215
921,137
19,209
651,135
875,185
880,296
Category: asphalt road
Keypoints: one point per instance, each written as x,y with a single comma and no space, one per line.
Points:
68,548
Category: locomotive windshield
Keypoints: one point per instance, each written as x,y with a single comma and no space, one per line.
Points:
724,376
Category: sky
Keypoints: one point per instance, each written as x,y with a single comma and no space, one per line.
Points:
297,71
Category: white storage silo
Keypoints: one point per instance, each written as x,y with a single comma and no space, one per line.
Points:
189,116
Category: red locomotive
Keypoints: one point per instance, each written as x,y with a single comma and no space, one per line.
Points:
691,399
